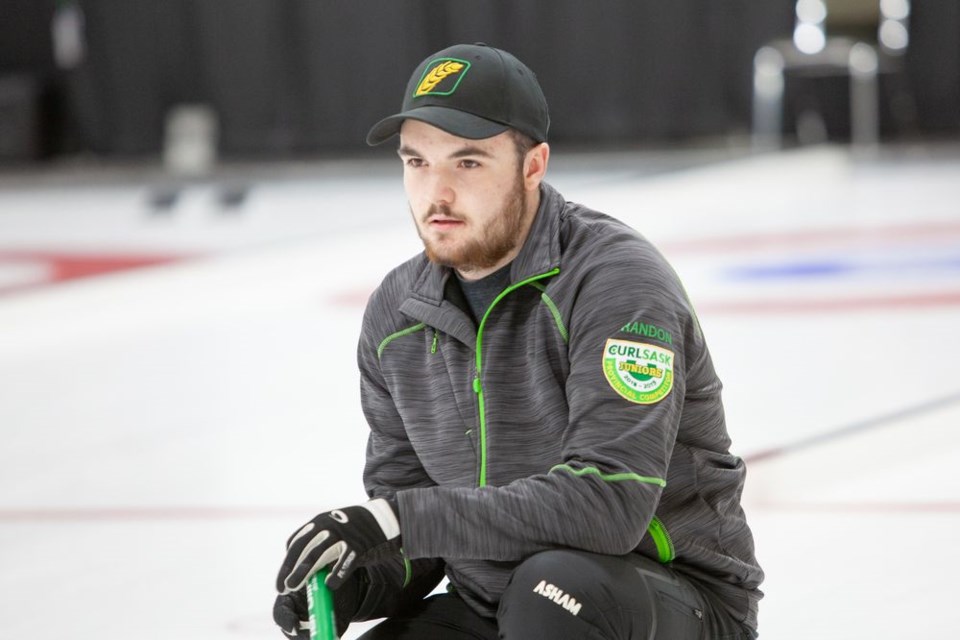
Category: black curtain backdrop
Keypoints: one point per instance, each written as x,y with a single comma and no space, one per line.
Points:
305,76
933,64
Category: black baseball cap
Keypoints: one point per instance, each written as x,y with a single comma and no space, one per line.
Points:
472,91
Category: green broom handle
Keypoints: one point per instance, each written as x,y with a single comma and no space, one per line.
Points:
320,601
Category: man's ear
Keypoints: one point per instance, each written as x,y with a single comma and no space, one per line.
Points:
535,166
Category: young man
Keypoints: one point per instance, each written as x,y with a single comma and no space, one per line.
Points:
546,426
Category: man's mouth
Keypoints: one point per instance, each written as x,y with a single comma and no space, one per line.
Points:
443,222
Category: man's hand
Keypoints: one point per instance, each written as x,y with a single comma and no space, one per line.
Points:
291,614
346,538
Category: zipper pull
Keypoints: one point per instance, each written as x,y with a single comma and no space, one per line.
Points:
436,337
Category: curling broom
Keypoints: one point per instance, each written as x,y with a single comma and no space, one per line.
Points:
320,602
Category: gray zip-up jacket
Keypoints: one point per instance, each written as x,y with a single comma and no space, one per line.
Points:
583,412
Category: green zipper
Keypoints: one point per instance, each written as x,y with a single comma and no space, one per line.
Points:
477,387
399,334
554,311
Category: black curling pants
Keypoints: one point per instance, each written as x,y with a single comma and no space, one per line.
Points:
567,595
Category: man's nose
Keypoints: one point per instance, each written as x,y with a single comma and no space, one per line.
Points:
440,189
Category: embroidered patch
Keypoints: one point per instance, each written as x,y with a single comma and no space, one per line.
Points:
641,373
442,77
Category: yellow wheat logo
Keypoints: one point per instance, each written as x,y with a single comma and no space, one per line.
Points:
436,76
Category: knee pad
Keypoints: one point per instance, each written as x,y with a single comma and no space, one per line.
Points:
556,594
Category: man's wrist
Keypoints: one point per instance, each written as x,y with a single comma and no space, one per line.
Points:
386,516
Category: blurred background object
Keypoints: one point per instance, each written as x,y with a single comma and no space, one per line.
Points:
862,41
305,77
190,140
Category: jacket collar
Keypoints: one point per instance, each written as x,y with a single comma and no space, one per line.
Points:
541,251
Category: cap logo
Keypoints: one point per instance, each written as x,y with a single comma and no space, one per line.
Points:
442,77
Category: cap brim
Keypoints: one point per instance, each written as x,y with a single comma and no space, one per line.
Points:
453,121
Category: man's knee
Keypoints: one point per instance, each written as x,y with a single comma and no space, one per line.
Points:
558,594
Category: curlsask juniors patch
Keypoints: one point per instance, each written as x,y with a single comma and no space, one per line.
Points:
641,373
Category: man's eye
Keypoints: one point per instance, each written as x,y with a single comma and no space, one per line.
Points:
469,164
414,162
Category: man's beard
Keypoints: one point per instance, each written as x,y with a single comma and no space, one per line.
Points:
496,240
